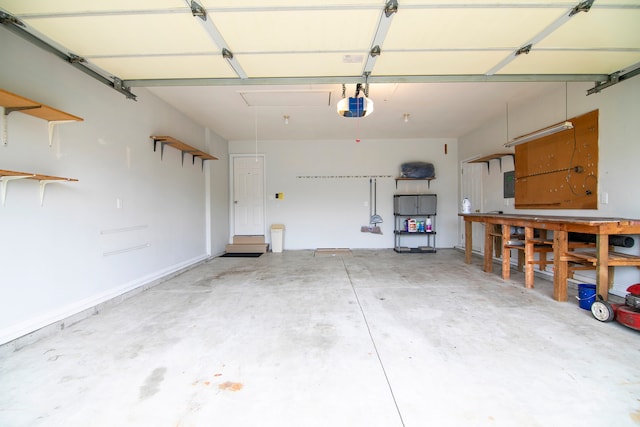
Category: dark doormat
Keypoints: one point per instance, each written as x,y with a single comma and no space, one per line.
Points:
242,254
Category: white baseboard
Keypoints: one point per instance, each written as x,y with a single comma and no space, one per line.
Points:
27,332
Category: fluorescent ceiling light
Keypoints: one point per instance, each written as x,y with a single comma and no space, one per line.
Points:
540,133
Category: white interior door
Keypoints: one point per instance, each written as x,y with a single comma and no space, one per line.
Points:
248,195
472,174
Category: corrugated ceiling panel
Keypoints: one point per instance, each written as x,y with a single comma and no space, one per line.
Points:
467,3
436,63
600,3
139,39
127,34
167,67
304,65
287,31
75,6
215,4
570,62
557,4
599,28
467,28
287,98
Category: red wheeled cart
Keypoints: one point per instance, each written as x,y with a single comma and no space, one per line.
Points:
628,313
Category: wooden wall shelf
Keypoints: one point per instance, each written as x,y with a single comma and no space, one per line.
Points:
11,102
487,159
184,148
415,179
7,176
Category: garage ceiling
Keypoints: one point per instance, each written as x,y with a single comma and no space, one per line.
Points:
270,55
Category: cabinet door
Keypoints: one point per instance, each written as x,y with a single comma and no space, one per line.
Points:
406,205
427,204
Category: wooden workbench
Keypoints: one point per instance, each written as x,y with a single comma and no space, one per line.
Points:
602,259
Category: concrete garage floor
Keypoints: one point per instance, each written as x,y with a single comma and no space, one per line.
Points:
369,339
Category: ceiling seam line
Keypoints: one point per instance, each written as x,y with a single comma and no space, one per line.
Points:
469,78
177,11
106,13
496,6
309,52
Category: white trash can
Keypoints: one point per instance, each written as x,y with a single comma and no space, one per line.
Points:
277,237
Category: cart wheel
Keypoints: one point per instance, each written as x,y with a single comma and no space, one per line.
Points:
602,310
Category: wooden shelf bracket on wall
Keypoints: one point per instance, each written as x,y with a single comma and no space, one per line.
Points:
7,176
10,102
182,147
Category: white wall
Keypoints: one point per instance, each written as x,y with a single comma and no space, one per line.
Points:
329,211
217,193
619,151
79,249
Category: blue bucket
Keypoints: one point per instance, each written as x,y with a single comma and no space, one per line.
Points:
586,295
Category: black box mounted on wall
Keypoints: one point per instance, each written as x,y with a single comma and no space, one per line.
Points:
509,185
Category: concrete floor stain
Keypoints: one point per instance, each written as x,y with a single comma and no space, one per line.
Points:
151,385
231,386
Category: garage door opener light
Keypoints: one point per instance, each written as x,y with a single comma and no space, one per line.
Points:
356,106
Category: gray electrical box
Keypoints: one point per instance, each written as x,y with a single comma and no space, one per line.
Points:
509,185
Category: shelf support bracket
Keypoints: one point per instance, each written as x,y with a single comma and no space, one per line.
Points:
9,110
43,184
513,156
155,142
4,180
5,122
52,126
488,162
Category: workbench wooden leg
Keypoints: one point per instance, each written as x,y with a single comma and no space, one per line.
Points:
602,265
497,240
611,271
560,268
488,248
467,241
521,260
506,252
542,254
543,260
528,257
